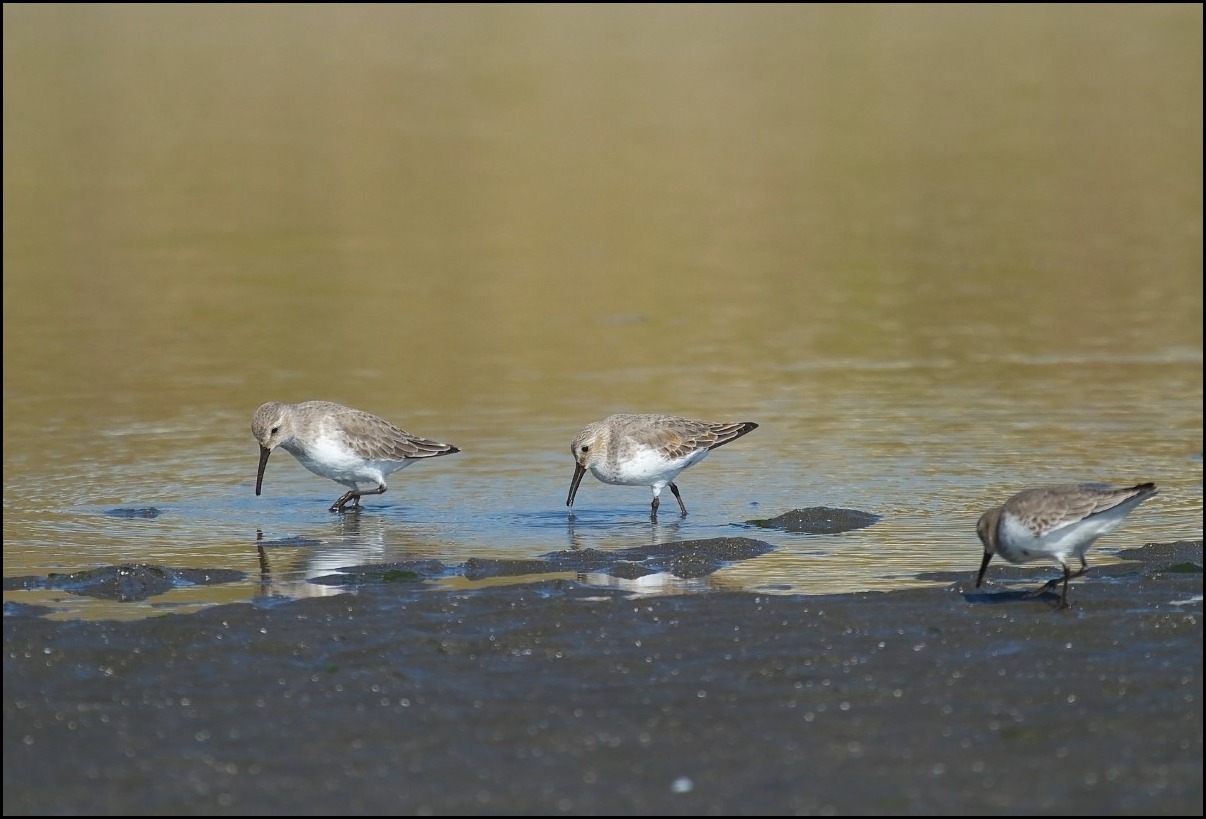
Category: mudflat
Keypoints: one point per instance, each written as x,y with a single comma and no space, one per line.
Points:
555,697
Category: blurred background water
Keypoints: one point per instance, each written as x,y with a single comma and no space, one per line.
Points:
938,253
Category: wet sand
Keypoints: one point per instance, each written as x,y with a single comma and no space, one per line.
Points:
554,697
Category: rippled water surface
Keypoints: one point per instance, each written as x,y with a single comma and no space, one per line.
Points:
938,253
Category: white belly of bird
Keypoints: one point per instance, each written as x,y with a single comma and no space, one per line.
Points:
644,466
1019,545
332,460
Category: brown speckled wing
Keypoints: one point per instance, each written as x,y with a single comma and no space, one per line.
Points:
682,438
1043,510
371,437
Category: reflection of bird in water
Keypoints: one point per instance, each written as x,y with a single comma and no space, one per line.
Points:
288,567
656,584
658,534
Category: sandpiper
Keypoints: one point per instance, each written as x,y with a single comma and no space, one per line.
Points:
1056,522
647,450
347,445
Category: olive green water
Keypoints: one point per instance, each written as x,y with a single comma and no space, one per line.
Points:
938,253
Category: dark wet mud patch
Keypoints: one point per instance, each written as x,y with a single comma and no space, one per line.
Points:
125,583
551,698
402,571
1187,552
995,598
477,568
818,520
289,542
131,512
1184,568
12,609
685,558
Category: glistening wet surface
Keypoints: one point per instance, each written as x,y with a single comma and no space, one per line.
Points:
552,697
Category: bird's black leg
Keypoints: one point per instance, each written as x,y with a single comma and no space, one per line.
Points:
1067,575
679,498
354,496
1063,600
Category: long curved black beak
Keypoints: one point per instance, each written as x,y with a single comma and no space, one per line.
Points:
259,475
983,567
579,471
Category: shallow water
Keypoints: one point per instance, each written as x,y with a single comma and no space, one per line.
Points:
938,254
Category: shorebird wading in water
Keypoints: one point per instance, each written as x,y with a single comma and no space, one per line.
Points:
647,450
347,445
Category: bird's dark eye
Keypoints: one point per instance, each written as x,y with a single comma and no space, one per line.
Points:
586,449
275,430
